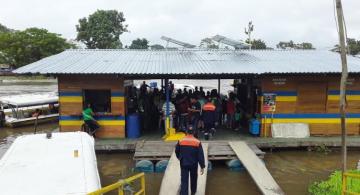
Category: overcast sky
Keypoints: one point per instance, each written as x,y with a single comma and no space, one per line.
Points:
191,20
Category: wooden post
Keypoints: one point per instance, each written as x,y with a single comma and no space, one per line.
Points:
219,86
344,75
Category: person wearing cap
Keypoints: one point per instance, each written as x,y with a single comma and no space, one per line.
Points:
190,154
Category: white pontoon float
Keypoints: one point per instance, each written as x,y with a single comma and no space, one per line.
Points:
19,108
61,165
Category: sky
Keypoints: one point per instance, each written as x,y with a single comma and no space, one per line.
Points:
192,20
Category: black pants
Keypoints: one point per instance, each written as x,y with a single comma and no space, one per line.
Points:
93,126
185,170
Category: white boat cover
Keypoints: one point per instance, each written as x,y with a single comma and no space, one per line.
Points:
35,165
30,99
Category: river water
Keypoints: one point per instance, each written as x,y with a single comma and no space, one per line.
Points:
294,170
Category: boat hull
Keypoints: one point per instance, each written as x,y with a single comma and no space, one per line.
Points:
13,123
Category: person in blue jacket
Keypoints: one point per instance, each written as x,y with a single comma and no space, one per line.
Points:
190,154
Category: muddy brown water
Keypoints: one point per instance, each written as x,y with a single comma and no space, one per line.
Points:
293,170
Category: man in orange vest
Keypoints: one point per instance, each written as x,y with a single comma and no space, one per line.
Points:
190,154
209,118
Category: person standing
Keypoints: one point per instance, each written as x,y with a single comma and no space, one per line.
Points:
195,110
190,153
209,118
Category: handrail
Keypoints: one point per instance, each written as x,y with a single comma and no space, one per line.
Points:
346,175
120,186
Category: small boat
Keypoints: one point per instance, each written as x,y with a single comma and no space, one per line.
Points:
52,163
28,109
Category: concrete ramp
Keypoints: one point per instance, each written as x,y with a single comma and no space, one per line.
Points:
256,168
170,184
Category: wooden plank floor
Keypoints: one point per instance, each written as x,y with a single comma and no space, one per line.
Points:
158,150
256,168
170,184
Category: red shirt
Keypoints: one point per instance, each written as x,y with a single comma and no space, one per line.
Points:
230,107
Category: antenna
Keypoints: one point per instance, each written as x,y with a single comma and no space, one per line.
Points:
168,39
231,42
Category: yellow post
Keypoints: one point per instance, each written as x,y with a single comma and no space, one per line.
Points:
143,184
121,190
343,184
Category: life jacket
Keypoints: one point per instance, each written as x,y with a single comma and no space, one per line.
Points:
189,140
209,107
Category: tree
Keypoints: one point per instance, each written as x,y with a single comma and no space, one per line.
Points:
353,46
102,29
156,47
208,43
4,29
257,44
292,45
139,44
23,47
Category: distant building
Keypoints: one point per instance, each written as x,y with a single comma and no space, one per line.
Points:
278,86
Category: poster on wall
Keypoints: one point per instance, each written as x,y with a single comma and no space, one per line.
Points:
269,102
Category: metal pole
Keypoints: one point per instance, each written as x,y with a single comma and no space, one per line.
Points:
344,75
219,86
167,122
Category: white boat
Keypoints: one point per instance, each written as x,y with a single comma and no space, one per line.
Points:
19,109
61,165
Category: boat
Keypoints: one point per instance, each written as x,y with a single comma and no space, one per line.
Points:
52,163
19,109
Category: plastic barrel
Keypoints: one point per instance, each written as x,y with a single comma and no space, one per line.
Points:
254,127
161,165
235,165
144,166
133,126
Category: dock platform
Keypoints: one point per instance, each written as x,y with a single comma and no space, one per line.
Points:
158,150
256,168
170,184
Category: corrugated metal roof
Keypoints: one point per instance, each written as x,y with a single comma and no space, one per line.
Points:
190,62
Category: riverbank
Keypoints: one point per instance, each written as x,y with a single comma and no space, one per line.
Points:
32,79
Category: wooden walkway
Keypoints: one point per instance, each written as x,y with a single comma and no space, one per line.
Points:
158,150
170,184
256,168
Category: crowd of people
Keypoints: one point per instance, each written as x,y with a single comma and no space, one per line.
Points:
203,110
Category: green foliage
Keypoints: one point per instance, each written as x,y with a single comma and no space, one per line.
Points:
257,44
156,47
23,47
208,43
139,44
102,29
333,186
354,46
292,45
4,29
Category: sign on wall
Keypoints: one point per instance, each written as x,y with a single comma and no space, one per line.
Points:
269,102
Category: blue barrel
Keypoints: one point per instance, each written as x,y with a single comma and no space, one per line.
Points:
144,166
133,126
161,165
254,127
235,165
